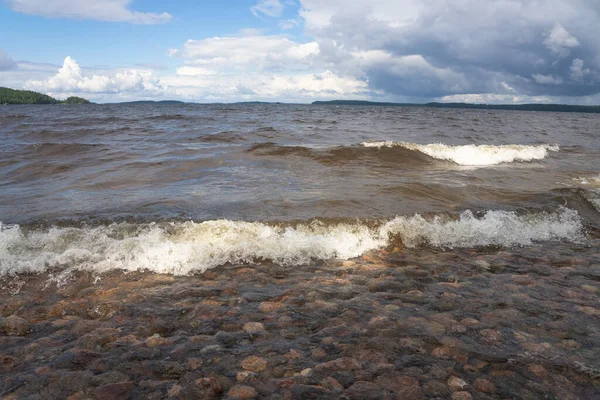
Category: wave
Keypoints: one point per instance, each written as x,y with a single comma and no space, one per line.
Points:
473,155
593,196
181,248
342,154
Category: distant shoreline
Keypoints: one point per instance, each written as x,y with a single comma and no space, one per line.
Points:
513,107
19,97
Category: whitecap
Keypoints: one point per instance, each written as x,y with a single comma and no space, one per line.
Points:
474,155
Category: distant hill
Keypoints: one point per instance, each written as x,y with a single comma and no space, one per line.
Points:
12,96
517,107
163,102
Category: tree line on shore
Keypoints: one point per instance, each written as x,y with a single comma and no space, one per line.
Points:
12,96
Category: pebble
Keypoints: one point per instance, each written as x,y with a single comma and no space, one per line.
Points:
14,326
461,396
456,384
157,341
242,392
344,364
253,328
538,370
483,385
114,391
254,364
270,306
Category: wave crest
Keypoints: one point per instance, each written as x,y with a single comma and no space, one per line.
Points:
181,248
474,155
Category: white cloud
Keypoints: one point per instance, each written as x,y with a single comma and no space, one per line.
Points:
547,79
104,10
249,53
270,8
6,62
494,98
560,41
577,70
287,24
71,79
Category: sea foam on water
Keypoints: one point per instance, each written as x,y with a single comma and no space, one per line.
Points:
183,247
474,155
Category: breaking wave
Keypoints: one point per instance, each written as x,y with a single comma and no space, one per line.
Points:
474,155
183,247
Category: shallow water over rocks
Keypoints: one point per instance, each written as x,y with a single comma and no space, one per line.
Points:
410,324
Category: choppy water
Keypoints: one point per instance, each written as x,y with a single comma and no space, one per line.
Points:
178,188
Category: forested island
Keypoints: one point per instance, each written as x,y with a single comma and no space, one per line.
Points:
12,96
518,107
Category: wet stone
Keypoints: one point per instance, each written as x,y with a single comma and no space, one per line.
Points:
242,392
253,328
308,392
114,391
456,384
435,388
483,385
461,396
14,326
254,364
362,390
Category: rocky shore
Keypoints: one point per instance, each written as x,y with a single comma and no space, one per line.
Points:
418,324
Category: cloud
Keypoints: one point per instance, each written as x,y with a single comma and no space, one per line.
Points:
577,70
105,10
560,41
287,24
6,62
546,79
269,8
71,79
249,53
257,67
436,48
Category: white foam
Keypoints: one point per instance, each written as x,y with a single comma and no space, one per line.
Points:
474,155
181,248
588,180
494,228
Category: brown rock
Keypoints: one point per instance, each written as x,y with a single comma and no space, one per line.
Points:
362,390
538,370
340,364
157,341
14,326
435,388
456,384
458,329
331,384
318,354
7,363
461,396
114,391
245,376
469,322
268,306
174,391
208,388
407,388
483,385
253,328
490,335
242,392
254,364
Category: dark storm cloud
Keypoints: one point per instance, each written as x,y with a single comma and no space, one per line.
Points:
524,47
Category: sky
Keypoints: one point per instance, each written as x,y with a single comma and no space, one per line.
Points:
477,51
